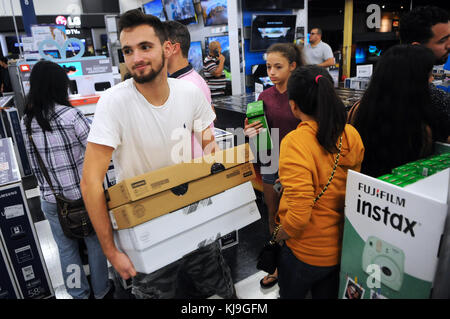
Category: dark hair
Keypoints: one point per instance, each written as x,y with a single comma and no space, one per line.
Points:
4,59
394,110
178,33
318,99
415,26
48,87
290,51
319,30
135,17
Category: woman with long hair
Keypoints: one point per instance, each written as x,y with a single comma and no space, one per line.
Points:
60,133
282,59
394,117
314,160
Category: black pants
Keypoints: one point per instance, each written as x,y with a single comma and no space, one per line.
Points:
200,274
296,278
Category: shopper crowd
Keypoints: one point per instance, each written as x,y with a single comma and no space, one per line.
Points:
398,119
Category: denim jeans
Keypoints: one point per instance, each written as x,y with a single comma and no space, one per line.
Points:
296,278
74,276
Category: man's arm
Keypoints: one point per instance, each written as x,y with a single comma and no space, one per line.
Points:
208,141
327,63
218,71
96,162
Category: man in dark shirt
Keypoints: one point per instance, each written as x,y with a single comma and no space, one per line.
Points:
430,26
5,81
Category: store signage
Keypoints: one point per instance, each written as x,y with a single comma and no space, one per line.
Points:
70,21
374,19
28,15
61,20
73,31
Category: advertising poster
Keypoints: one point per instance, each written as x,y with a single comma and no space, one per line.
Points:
391,241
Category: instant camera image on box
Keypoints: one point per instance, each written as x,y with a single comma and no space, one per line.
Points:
391,239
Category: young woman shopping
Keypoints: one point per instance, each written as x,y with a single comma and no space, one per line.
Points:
282,59
394,117
314,160
59,132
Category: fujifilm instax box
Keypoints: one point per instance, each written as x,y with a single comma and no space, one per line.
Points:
391,240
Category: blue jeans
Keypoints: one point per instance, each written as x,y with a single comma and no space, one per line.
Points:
74,277
296,278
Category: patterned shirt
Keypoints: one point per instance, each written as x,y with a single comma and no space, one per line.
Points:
62,151
216,84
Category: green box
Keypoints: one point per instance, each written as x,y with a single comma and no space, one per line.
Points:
255,112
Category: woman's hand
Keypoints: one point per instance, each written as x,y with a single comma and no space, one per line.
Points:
251,130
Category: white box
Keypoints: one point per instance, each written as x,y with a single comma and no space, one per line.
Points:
165,239
224,139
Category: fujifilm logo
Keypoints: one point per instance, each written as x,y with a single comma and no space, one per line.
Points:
385,216
372,191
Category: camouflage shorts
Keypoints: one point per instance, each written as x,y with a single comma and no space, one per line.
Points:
200,274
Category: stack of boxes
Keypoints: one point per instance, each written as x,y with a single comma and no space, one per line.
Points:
162,215
414,171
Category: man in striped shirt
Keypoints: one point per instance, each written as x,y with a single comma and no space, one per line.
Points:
213,69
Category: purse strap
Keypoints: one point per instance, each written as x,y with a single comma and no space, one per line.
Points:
336,161
41,164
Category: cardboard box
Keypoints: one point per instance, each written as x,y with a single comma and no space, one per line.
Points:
133,189
138,212
163,240
392,237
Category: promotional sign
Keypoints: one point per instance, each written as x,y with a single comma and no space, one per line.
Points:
9,170
391,240
28,15
8,289
22,245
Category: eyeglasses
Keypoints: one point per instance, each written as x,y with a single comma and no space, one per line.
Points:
313,33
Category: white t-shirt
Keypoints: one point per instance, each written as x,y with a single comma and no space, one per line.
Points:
147,137
318,54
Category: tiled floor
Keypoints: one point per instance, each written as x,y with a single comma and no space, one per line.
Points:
241,257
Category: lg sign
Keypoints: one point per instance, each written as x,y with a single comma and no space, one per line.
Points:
61,20
71,22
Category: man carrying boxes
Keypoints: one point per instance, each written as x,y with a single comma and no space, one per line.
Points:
135,122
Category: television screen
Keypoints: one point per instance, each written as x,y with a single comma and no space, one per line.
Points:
272,4
180,10
214,12
195,56
100,6
53,53
225,45
259,75
12,44
155,8
269,29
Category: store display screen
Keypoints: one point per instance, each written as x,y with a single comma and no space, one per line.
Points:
155,8
214,12
195,56
271,29
72,68
224,44
180,10
273,4
53,53
259,75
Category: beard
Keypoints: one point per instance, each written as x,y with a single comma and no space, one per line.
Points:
141,79
441,60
